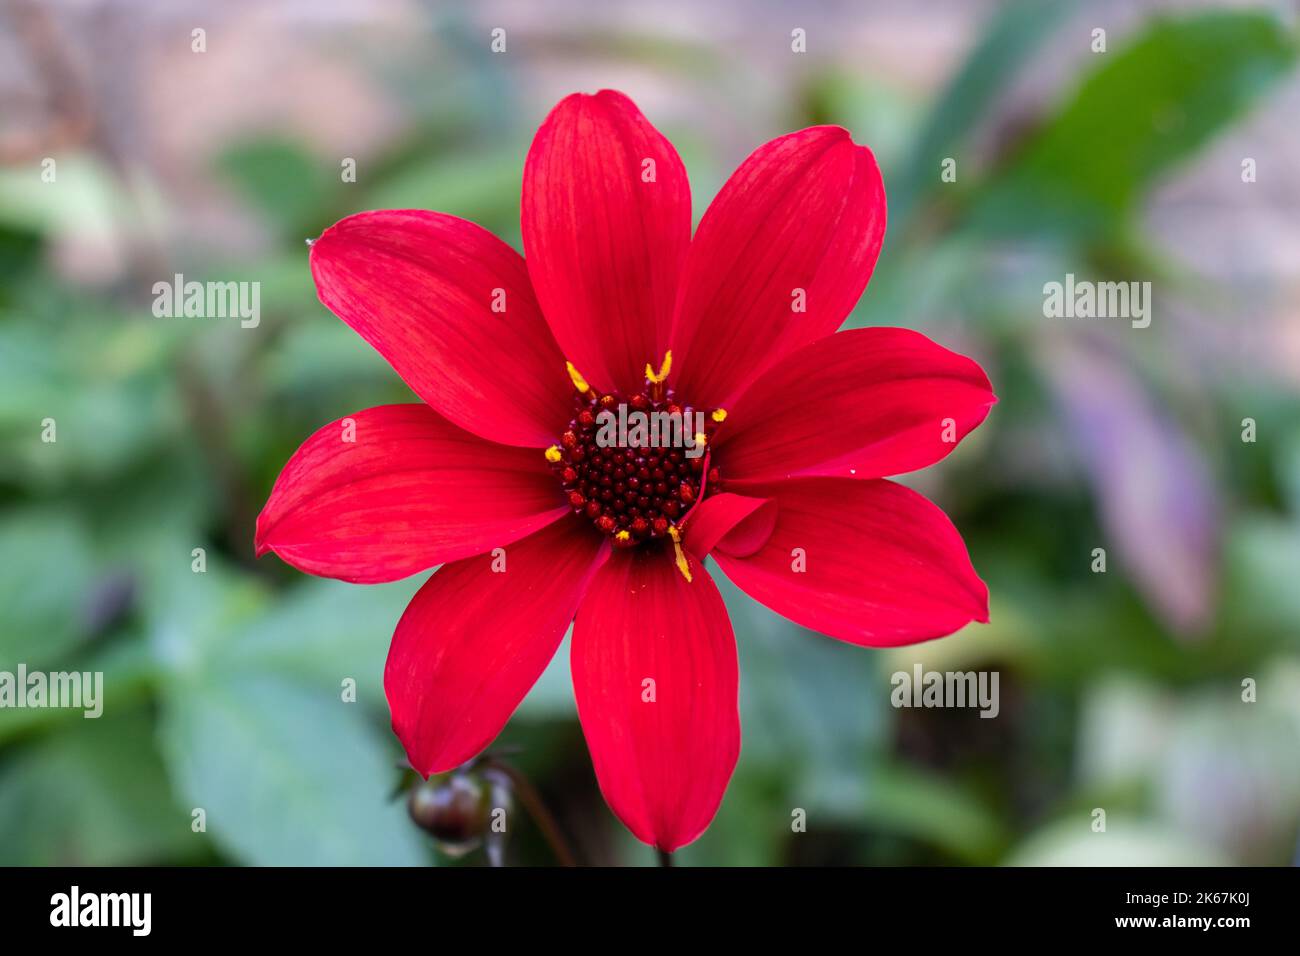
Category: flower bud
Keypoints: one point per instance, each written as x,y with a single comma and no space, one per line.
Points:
453,809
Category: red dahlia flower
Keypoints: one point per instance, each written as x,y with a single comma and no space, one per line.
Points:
500,477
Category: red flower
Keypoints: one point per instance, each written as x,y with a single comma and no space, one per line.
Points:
499,477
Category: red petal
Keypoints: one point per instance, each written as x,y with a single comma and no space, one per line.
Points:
806,211
605,248
662,764
882,565
410,492
733,523
474,640
421,287
865,402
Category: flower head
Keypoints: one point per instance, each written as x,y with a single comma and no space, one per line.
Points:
515,475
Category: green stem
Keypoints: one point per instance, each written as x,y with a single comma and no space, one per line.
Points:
536,808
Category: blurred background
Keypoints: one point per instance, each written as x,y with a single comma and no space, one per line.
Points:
1120,690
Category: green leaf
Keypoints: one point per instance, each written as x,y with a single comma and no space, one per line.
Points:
316,358
324,631
752,827
1263,566
128,675
48,575
917,272
812,708
254,725
283,181
95,794
1139,113
479,185
20,256
287,775
913,803
101,381
1011,37
83,200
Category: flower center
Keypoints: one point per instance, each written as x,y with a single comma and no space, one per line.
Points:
636,465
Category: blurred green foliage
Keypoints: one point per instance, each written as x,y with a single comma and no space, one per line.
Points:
223,688
1144,110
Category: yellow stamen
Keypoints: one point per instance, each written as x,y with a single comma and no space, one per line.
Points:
701,439
719,415
622,535
579,382
665,367
683,565
553,454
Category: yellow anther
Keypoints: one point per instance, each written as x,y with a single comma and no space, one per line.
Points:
553,454
622,535
579,382
683,565
665,367
719,415
701,439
